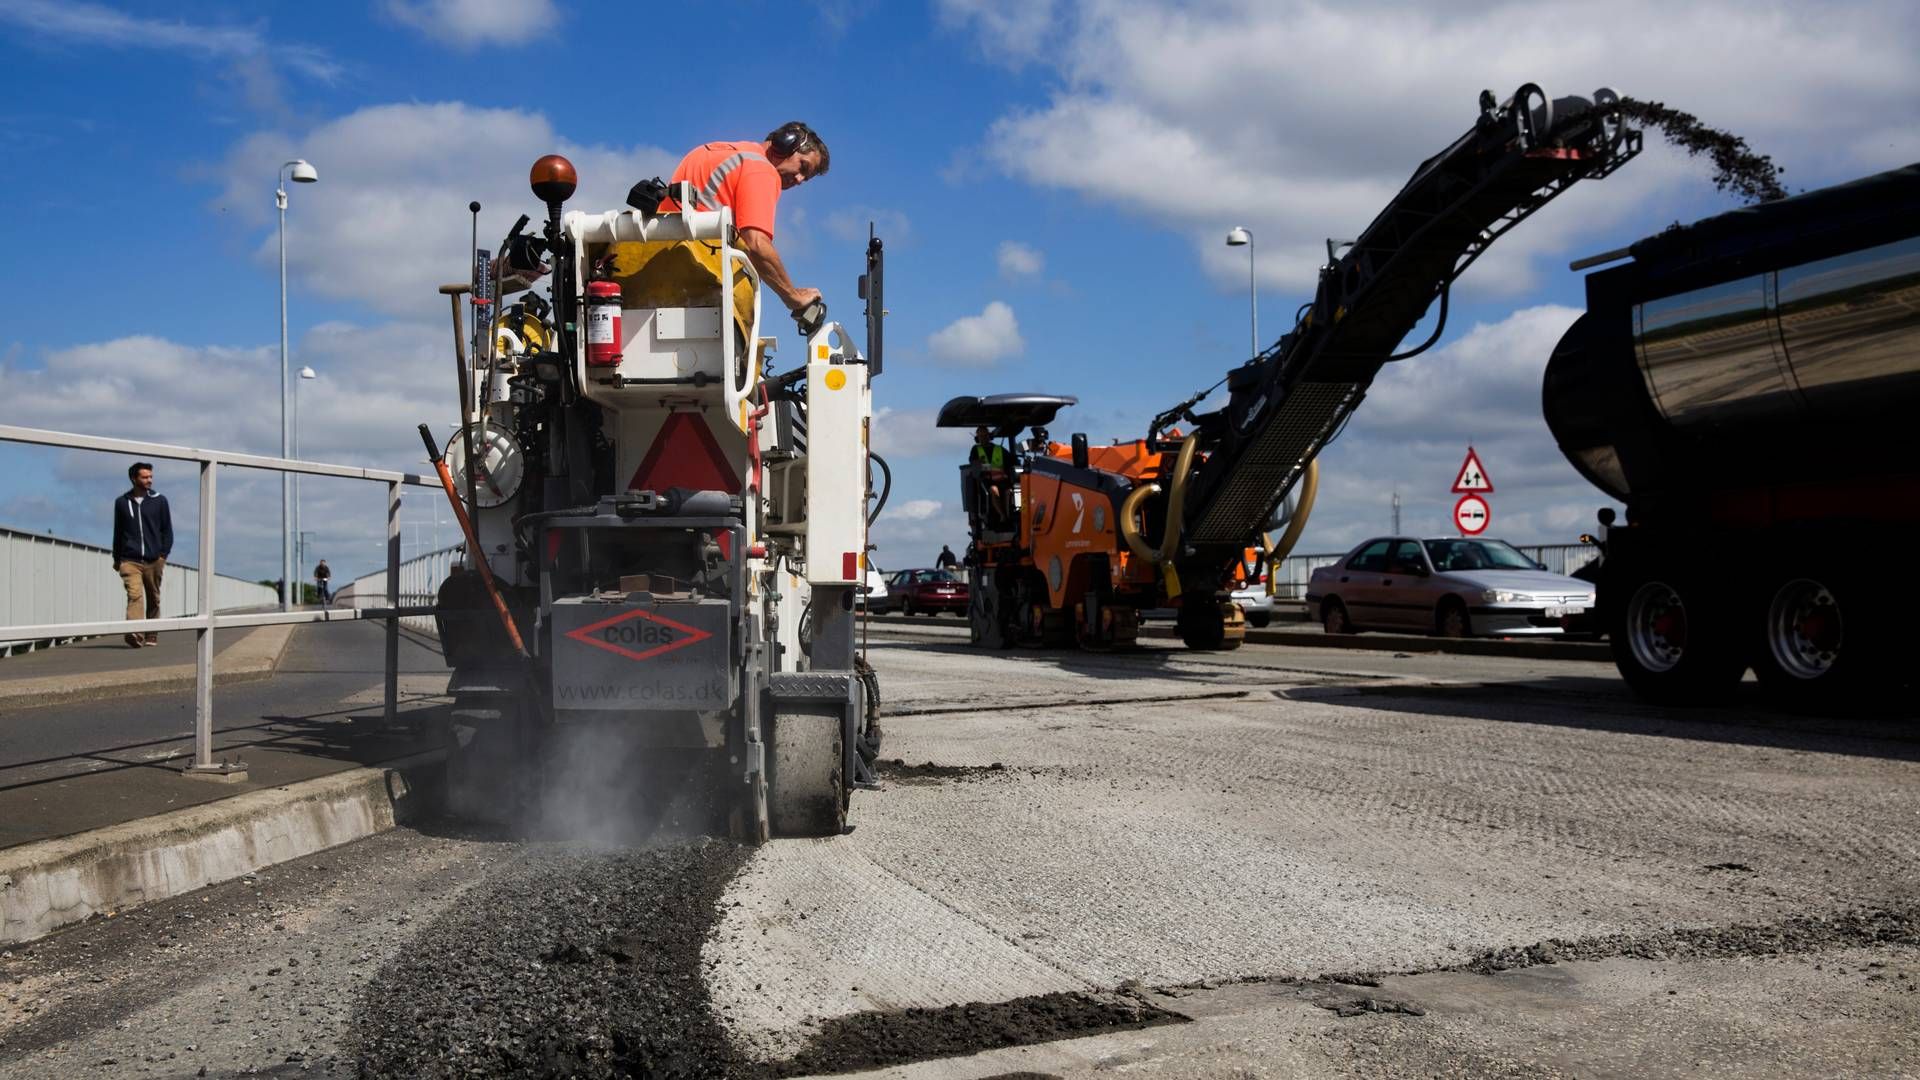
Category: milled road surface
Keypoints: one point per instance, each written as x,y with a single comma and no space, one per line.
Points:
1266,863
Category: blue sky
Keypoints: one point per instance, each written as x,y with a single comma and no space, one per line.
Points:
1054,181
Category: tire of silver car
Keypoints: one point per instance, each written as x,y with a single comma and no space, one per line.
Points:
1450,619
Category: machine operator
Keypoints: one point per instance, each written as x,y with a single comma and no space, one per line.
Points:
749,177
992,460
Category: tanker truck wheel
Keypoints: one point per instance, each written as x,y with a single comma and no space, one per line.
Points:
1817,638
1674,640
806,782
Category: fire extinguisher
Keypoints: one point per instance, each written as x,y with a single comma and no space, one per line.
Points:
603,323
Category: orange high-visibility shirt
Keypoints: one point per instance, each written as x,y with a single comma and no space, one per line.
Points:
735,174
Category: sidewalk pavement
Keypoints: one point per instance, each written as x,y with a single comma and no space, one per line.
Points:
107,667
117,760
95,813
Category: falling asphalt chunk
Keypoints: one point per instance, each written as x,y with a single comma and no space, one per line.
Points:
1736,168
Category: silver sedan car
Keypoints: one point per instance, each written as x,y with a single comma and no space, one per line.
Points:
1453,587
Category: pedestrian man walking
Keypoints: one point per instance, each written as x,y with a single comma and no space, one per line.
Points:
323,578
142,539
947,560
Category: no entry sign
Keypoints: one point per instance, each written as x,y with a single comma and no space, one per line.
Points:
1471,515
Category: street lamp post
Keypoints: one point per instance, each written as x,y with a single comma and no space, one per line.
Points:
1238,237
299,557
302,173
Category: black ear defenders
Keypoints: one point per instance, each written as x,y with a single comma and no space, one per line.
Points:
790,140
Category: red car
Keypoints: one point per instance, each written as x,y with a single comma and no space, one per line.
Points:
927,592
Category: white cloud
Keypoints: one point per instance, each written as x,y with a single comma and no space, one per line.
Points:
981,340
903,543
909,433
467,24
1019,260
1158,97
1412,433
255,61
375,384
1010,32
388,223
850,225
916,509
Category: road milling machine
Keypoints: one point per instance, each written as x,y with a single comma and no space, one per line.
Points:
1071,542
664,538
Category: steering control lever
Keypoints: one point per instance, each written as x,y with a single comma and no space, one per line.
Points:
810,318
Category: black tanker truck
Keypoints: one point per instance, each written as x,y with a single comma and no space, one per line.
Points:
1749,387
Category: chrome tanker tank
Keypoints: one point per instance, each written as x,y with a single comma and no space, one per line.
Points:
1772,344
1749,386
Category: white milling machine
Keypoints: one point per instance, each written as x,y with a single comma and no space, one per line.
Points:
676,536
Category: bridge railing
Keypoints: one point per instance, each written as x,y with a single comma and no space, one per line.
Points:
206,619
420,579
44,578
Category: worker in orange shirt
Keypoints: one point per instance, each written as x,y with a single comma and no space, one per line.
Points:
749,177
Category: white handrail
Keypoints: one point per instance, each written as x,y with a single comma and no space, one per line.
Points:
204,622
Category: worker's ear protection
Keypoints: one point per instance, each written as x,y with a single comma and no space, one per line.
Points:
790,139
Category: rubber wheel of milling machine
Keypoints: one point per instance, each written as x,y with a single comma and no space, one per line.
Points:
807,791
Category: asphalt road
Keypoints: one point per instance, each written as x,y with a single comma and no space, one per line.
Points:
1265,863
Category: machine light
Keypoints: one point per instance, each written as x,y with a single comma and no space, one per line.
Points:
553,179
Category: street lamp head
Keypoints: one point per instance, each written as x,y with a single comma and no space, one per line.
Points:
303,173
307,373
1239,237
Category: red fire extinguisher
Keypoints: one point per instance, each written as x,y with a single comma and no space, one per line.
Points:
603,323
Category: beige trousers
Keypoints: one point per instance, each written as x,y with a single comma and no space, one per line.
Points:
142,580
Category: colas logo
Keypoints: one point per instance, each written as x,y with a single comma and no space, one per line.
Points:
638,635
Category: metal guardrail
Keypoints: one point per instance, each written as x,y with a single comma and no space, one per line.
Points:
1290,581
45,577
420,579
206,620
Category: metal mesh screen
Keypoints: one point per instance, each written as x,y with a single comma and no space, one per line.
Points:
1274,460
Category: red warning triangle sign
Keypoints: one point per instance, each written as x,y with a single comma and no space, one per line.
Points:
1473,476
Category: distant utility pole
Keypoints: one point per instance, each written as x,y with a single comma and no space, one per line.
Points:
1396,513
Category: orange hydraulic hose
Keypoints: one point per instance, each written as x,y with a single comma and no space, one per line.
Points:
1176,502
1309,487
473,540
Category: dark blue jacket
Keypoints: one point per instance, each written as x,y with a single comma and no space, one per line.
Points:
142,530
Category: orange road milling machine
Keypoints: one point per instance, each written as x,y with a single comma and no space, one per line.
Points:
1071,542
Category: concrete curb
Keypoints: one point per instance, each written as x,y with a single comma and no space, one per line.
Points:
54,883
256,656
1518,648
